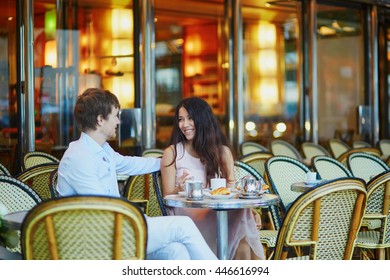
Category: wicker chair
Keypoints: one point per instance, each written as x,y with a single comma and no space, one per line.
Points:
53,178
249,147
257,160
329,168
337,147
384,147
4,170
17,196
36,158
365,166
372,151
282,172
378,210
140,188
360,144
38,178
311,150
324,221
283,148
84,227
152,153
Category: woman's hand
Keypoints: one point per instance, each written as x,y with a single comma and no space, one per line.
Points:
181,180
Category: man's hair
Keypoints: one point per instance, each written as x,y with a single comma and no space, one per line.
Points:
92,103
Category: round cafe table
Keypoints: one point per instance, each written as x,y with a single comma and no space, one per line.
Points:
303,186
222,206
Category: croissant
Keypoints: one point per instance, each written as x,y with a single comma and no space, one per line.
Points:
220,191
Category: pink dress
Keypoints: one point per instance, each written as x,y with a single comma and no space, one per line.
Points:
241,222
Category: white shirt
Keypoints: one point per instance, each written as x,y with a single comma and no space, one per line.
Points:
87,168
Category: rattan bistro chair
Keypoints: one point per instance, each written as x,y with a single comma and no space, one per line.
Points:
310,150
16,196
38,178
324,221
257,160
4,170
283,148
84,227
378,210
337,147
140,188
365,166
152,153
31,159
249,147
384,146
329,168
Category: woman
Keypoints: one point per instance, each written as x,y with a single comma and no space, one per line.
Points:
199,150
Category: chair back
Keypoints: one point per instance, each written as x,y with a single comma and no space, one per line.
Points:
16,196
360,144
282,172
337,147
249,147
84,227
384,147
329,168
324,221
283,148
31,159
4,170
365,166
141,187
256,160
372,151
53,178
378,207
38,178
310,150
157,184
152,153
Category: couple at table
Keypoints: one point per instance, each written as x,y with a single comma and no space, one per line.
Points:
89,167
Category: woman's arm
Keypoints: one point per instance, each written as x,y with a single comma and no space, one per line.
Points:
168,172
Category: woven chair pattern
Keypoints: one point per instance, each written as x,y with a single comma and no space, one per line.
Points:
53,178
257,161
249,147
329,168
38,178
360,144
283,148
384,146
4,170
325,219
282,172
378,209
363,165
36,158
157,184
371,151
16,196
337,147
311,150
152,153
97,228
141,187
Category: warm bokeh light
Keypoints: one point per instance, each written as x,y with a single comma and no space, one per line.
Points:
281,127
51,53
122,23
249,126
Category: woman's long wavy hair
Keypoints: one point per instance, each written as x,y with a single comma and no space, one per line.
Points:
209,139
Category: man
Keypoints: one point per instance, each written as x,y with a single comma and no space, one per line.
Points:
89,167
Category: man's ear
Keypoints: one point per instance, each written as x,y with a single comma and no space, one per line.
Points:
100,119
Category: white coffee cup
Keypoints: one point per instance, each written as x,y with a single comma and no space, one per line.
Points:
311,176
216,183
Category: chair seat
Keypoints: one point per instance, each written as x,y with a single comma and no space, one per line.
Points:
369,239
268,237
371,223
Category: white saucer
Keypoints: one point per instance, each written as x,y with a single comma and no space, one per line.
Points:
245,196
183,193
312,182
220,196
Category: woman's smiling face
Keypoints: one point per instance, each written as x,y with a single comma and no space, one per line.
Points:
186,124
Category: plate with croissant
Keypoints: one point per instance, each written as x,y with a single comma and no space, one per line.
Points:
220,193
